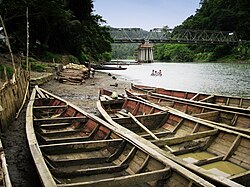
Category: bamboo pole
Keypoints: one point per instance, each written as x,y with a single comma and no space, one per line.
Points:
8,44
142,126
27,51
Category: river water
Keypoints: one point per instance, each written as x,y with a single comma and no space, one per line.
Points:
220,78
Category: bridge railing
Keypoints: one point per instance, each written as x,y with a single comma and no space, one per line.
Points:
158,35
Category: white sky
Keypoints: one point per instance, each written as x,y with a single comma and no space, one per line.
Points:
145,14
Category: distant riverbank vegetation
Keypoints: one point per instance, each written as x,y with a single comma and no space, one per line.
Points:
56,29
226,15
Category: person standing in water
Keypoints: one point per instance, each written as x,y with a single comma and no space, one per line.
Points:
159,73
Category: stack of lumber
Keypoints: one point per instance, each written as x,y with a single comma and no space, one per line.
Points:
74,73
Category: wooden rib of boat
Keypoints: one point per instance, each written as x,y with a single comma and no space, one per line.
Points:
4,173
238,104
221,117
73,148
216,153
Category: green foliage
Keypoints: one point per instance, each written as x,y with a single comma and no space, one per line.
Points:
61,27
107,56
49,56
9,71
224,15
221,15
38,66
123,51
73,59
173,53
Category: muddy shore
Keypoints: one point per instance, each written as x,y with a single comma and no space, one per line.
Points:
21,167
86,95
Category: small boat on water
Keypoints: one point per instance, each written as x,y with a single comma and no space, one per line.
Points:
238,104
4,173
220,117
106,67
73,148
218,154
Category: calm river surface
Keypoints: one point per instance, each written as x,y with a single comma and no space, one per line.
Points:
221,78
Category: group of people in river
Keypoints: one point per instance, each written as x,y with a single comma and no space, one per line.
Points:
155,73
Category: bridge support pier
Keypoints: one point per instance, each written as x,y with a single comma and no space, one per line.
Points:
145,53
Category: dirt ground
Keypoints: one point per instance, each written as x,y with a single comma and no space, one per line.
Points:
21,167
86,95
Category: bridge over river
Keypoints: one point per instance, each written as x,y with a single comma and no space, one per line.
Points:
164,35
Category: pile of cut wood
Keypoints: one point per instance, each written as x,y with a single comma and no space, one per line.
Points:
74,73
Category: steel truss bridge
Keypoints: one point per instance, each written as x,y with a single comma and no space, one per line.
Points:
162,35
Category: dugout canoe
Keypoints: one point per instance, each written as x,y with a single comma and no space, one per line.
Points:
218,154
230,119
73,148
4,173
233,103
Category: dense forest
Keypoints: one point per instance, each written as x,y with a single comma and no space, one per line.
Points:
58,27
220,15
69,27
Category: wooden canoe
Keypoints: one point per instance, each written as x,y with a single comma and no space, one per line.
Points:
221,117
4,173
234,103
73,148
212,152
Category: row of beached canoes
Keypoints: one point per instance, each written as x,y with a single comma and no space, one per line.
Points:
137,143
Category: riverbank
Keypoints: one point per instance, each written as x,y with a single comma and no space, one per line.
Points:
20,163
86,95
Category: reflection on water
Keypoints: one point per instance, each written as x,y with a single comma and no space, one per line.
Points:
221,78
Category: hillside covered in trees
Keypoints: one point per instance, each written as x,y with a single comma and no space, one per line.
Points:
64,27
220,15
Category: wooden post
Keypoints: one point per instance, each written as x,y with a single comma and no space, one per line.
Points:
27,51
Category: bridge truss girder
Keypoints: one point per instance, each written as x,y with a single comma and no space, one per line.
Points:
137,35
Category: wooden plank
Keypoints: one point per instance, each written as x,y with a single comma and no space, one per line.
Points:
177,140
234,120
142,126
196,128
61,119
196,95
130,156
61,132
178,125
117,152
89,171
143,166
62,147
240,175
49,107
64,139
41,166
123,113
157,134
136,108
40,93
209,160
187,150
129,180
54,125
233,147
207,114
207,98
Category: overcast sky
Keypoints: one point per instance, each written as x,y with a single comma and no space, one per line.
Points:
146,14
